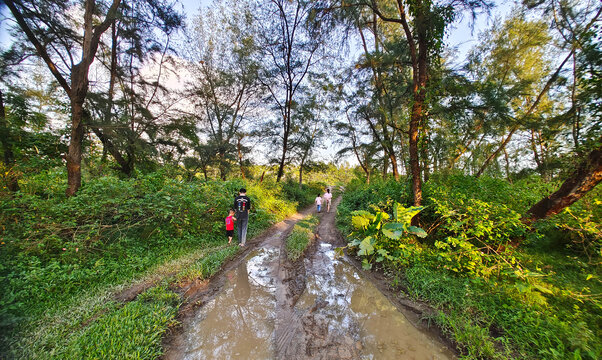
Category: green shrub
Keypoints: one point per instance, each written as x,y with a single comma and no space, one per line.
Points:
56,248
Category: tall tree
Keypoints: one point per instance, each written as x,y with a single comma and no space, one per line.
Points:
225,88
48,27
131,115
291,35
423,24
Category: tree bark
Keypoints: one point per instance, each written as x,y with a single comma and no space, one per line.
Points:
587,175
240,159
124,165
7,147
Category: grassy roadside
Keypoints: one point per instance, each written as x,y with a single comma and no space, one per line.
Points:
301,237
99,326
540,300
63,260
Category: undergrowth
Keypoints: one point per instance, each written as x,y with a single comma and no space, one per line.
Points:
57,252
501,290
301,237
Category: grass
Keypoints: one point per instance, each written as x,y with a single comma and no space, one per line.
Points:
133,331
63,259
208,265
501,319
93,316
543,299
301,237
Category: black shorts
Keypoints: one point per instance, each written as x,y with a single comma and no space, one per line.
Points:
229,233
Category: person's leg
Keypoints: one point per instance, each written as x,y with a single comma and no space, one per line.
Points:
245,224
239,229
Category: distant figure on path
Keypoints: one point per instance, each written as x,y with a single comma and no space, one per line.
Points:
327,198
242,205
319,202
230,225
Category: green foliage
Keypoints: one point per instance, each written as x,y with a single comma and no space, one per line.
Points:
54,248
303,195
208,265
495,298
301,237
133,331
378,238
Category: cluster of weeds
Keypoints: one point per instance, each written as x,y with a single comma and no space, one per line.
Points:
301,237
502,290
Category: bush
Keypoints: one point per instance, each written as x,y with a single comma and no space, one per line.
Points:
496,297
55,248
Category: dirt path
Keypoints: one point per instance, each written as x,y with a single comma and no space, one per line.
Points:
262,306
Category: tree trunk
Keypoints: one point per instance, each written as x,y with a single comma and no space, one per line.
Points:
582,180
124,165
7,147
284,149
74,155
507,166
240,159
301,176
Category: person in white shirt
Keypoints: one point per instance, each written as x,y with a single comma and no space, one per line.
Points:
318,202
327,198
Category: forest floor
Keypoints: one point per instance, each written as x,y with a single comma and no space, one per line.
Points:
321,306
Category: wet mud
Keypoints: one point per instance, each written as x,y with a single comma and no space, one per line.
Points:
262,306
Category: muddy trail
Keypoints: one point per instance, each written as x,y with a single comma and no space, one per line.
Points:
262,306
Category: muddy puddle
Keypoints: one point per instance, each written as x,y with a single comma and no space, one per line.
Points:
239,322
339,315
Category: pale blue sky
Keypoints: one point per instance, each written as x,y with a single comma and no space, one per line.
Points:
460,34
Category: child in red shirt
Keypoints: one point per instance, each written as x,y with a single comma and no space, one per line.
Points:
230,225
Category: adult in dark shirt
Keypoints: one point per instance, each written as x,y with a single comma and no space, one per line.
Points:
242,205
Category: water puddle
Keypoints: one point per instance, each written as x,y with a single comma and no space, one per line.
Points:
354,307
239,322
339,315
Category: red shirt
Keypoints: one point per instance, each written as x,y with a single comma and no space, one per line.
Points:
229,223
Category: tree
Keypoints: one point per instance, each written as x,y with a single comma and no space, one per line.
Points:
310,132
225,88
587,176
47,26
290,36
132,115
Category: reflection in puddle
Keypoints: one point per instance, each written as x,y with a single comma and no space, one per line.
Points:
239,322
343,316
357,308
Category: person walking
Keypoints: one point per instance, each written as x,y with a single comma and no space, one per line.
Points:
318,202
230,225
327,197
242,205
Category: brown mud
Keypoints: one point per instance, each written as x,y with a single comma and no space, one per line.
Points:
262,306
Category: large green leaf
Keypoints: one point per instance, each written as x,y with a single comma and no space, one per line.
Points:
360,222
363,213
404,215
394,231
417,231
366,247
